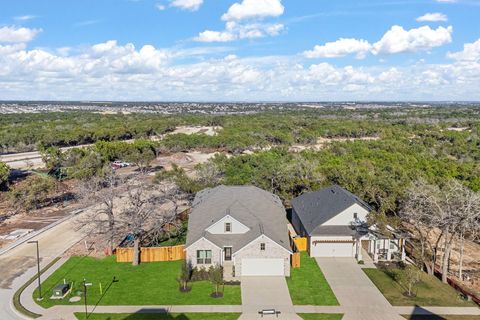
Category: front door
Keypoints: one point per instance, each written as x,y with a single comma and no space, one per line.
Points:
228,253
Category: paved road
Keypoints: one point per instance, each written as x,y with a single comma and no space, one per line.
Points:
19,264
266,293
357,295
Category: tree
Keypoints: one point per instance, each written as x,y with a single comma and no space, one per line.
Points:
408,278
449,209
4,175
85,164
102,194
141,153
215,274
52,157
146,210
32,193
185,275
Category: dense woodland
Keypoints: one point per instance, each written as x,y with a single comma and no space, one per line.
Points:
412,163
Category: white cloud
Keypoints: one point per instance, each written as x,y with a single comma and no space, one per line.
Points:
25,17
215,36
470,52
249,9
160,7
192,5
339,48
398,40
235,31
115,71
16,35
432,17
447,1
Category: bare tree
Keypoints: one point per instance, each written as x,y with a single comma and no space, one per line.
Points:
147,211
450,209
103,195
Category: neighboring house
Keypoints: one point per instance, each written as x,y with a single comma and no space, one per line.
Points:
242,228
334,221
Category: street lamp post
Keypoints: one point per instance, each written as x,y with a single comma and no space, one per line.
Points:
85,285
38,271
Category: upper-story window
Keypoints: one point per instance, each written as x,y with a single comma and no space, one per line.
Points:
228,227
355,215
262,246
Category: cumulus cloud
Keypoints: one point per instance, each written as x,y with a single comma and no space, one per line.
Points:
248,9
254,11
339,48
398,40
470,52
111,70
192,5
17,34
432,17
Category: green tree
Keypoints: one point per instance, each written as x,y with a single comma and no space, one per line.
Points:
32,193
4,174
215,274
185,275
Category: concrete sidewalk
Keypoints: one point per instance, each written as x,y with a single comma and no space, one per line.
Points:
417,310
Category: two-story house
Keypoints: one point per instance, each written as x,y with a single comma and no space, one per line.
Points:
242,228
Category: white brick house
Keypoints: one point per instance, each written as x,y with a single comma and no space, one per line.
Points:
242,228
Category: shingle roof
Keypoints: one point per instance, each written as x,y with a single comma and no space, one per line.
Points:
316,208
259,210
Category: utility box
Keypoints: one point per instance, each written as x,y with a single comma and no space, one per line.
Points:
60,291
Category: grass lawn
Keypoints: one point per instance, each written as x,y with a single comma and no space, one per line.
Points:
307,284
320,316
159,316
151,283
435,317
430,291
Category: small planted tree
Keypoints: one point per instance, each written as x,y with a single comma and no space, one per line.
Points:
185,276
409,277
216,278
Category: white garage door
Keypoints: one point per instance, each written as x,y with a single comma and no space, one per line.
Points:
262,267
332,249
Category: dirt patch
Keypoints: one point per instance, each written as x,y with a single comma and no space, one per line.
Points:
208,130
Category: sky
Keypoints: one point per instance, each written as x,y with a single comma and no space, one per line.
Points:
240,50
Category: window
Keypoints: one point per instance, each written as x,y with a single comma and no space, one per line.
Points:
262,246
204,256
355,215
228,227
392,245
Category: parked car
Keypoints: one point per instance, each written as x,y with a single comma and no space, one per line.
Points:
117,164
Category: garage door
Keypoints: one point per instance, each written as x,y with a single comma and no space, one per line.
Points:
262,267
332,249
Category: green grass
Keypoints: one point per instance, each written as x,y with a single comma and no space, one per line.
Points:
147,284
438,317
430,291
320,316
159,316
308,286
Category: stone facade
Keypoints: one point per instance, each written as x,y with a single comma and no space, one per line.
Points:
252,250
203,244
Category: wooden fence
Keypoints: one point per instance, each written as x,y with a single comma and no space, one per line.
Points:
295,260
300,243
152,254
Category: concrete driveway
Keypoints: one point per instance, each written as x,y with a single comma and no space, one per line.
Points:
357,295
266,293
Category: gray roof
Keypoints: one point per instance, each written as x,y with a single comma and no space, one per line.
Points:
316,208
259,210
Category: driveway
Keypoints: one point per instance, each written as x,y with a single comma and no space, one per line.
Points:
266,293
357,295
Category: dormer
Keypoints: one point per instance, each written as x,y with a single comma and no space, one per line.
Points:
227,225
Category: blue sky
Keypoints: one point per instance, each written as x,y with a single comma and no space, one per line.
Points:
218,50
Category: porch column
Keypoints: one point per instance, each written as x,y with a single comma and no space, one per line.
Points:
389,253
359,250
375,251
403,249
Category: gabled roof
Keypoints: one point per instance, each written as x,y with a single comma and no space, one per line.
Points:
316,208
259,210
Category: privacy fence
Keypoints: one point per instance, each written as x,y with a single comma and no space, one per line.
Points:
152,254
